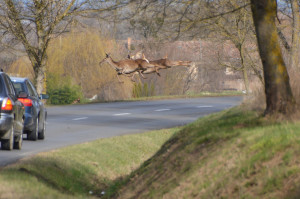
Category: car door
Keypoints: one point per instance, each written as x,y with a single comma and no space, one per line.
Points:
42,109
18,107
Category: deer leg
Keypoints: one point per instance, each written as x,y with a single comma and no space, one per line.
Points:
132,77
142,75
119,78
156,70
128,75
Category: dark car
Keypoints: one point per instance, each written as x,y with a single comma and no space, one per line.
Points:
35,111
11,115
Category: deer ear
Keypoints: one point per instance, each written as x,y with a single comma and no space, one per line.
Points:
144,58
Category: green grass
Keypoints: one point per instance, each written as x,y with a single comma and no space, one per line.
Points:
231,154
74,171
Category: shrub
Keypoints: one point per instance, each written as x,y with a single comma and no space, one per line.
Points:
61,90
64,95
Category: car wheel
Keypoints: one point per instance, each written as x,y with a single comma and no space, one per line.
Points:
8,144
42,133
33,135
18,144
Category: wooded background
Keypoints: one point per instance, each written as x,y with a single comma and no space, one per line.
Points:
64,41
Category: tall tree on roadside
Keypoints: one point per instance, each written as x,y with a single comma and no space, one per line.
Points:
278,91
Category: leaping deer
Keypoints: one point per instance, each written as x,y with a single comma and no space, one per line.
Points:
126,67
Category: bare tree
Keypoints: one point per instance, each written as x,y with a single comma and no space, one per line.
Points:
35,23
294,57
226,20
289,22
237,27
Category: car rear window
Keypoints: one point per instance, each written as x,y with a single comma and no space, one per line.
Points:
19,87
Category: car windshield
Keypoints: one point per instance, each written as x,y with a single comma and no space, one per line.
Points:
19,87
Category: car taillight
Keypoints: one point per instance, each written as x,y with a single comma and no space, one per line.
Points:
7,104
26,101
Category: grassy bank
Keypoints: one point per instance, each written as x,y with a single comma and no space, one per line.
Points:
79,171
232,154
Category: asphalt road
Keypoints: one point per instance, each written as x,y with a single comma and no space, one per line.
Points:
68,125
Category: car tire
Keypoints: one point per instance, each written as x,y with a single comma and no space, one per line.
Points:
9,144
18,144
33,135
41,135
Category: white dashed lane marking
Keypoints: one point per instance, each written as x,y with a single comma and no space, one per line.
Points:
80,118
160,110
204,106
121,114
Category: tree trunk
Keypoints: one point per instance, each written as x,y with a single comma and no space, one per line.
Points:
246,80
39,73
294,57
279,95
244,70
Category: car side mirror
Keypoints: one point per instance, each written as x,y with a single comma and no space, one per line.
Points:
22,95
44,96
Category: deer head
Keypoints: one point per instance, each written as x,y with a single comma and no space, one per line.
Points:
107,57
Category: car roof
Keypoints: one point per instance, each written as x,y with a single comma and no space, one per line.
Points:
18,79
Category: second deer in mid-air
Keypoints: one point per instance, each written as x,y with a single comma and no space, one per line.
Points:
163,63
166,63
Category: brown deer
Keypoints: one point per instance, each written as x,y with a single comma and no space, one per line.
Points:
163,63
125,67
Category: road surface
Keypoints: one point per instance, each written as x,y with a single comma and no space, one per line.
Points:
74,124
